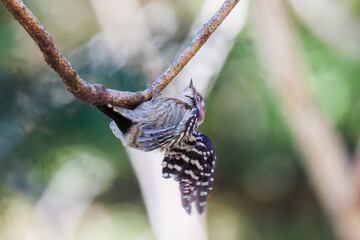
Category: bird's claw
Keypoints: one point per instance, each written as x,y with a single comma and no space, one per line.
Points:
155,93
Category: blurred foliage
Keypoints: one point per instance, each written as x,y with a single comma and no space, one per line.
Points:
261,190
352,5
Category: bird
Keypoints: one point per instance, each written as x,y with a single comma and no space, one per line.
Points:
170,125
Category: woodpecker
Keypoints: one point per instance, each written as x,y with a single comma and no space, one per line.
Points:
170,125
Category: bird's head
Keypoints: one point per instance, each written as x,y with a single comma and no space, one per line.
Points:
194,99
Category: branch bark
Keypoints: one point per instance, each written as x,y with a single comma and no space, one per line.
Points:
96,93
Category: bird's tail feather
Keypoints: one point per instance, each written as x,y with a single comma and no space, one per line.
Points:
121,121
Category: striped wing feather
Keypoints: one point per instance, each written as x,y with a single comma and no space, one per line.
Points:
192,164
152,139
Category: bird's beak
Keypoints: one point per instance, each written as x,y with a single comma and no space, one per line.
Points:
191,84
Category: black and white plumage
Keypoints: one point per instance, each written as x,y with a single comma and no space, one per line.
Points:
192,164
170,125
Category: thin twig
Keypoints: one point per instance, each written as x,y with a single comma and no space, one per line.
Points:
96,93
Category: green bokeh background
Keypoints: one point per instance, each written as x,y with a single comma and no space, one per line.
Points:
261,191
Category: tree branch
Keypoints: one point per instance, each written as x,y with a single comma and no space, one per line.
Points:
96,93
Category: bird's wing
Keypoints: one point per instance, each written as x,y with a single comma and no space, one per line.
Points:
192,164
160,138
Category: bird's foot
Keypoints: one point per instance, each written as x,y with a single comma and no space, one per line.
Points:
155,93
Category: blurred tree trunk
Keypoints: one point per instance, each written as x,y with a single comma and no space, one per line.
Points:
325,156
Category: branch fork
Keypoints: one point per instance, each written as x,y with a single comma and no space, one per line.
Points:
96,93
